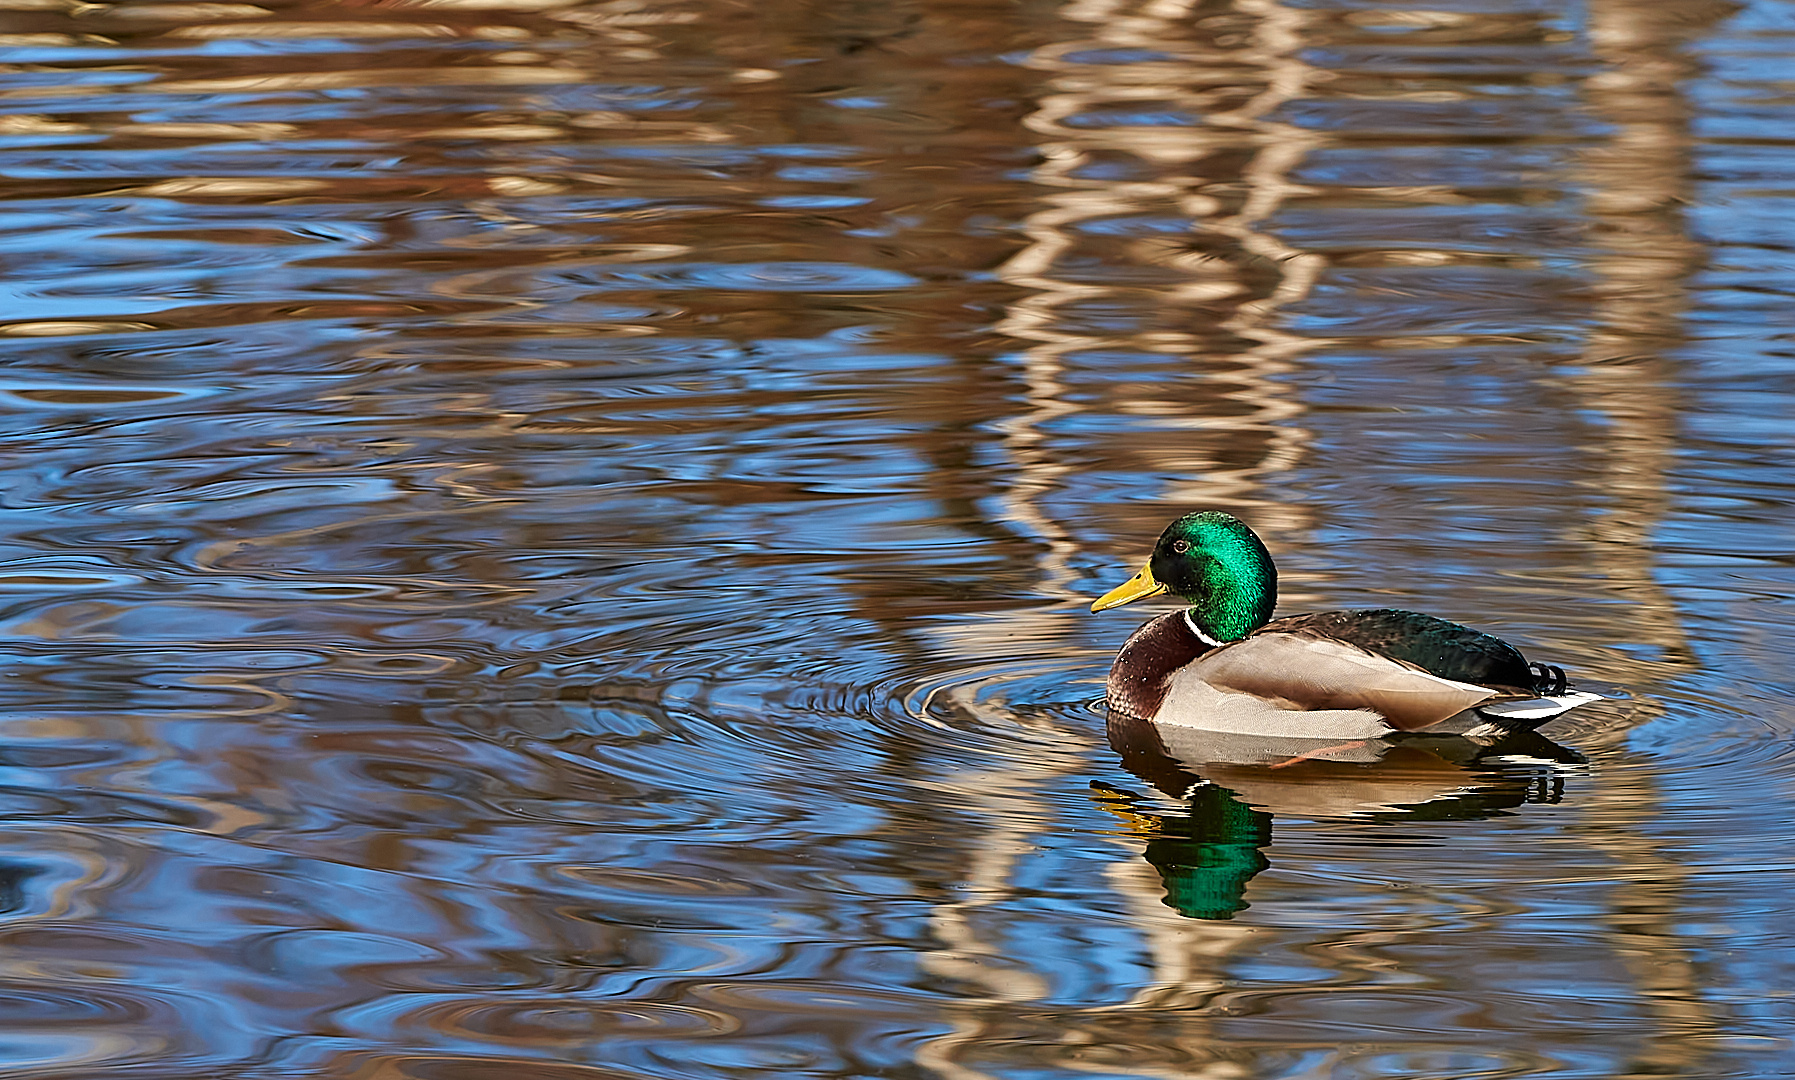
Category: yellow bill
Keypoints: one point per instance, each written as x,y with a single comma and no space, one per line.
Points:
1138,587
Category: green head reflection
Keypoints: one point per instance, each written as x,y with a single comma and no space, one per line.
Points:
1207,859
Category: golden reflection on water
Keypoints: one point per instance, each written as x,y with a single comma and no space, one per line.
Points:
1232,286
1638,186
1197,174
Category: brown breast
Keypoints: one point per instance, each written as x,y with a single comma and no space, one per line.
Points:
1143,668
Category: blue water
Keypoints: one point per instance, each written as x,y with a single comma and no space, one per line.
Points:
552,538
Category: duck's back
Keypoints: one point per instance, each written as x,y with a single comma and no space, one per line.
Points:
1434,645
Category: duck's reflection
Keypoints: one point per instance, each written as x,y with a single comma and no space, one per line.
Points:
1233,786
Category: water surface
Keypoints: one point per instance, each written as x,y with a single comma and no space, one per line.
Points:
553,538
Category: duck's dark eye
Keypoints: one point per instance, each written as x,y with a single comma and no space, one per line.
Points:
1180,546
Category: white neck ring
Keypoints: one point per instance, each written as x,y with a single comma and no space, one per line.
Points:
1198,630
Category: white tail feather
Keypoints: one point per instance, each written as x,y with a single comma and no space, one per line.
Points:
1539,708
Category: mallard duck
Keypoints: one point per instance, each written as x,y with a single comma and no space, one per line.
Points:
1224,664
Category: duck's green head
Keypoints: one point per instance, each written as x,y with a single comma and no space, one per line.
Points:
1217,565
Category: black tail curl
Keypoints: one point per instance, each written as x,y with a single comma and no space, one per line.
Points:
1548,681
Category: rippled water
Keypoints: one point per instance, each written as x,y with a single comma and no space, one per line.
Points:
552,538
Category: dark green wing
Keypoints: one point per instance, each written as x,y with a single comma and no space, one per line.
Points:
1434,645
